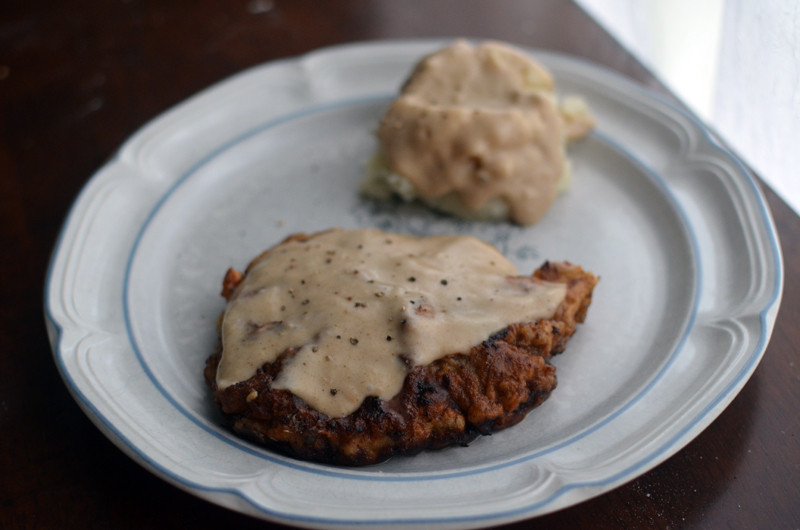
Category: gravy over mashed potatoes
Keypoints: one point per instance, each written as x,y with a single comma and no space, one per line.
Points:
477,132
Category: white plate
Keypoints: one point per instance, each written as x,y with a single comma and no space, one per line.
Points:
690,267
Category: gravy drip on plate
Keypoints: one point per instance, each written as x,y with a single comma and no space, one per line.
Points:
480,122
361,307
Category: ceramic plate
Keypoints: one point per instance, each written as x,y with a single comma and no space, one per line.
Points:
690,268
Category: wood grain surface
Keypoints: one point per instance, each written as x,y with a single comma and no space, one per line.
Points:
78,77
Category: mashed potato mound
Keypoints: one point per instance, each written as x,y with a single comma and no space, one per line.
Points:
477,132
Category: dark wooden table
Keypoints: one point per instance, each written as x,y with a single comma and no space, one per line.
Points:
77,78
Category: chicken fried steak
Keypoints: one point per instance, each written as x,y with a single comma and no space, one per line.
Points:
348,347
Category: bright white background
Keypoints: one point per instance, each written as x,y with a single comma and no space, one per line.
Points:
736,63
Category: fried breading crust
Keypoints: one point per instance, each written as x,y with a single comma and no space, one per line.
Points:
450,401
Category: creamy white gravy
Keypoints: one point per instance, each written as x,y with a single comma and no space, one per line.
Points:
362,307
481,122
